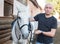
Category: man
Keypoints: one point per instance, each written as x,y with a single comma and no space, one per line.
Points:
47,25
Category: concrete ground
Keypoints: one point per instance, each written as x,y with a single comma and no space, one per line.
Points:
57,37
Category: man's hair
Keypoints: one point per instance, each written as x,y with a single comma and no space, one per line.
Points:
49,4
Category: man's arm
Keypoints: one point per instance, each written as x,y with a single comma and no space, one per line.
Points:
51,33
53,29
37,31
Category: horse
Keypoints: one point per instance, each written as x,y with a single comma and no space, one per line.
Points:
20,26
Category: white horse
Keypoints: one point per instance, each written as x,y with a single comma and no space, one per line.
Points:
20,30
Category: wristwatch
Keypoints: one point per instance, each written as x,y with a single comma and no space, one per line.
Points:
42,32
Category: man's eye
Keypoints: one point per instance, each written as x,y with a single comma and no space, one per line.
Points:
50,8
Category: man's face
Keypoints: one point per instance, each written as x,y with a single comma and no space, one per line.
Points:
48,9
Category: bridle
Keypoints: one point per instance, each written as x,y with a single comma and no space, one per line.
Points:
29,27
20,27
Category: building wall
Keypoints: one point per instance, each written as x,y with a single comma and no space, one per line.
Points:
34,10
1,8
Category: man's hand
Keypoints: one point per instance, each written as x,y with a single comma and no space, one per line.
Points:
31,19
38,32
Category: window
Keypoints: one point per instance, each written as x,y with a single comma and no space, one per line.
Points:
8,7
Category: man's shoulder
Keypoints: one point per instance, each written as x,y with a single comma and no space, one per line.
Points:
53,18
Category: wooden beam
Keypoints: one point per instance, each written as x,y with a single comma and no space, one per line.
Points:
4,22
5,31
5,35
35,3
5,27
9,2
4,39
8,42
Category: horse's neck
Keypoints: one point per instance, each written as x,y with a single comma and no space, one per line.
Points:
24,12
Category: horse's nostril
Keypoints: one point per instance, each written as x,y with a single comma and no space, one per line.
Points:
19,17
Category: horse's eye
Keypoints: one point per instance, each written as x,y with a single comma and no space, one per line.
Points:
19,17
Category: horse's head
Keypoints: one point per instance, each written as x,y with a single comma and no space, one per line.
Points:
24,14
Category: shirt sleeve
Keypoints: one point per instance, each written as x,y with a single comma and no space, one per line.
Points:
54,24
36,18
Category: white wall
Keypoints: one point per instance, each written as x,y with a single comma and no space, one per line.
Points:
42,3
14,8
1,8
